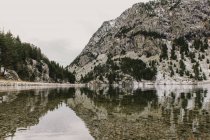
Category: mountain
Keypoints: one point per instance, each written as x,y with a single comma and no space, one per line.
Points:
165,41
24,61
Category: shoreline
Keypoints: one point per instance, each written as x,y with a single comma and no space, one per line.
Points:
10,83
167,83
23,85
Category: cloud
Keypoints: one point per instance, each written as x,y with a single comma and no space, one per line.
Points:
61,28
58,50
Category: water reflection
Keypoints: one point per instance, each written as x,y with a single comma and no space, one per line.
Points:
40,114
108,113
113,113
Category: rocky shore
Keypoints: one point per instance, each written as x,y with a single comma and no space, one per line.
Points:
22,85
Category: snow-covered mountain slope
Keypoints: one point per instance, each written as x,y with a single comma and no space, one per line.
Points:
162,41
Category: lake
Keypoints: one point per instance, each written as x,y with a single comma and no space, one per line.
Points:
106,113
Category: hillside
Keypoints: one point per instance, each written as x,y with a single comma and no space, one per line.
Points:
24,61
165,41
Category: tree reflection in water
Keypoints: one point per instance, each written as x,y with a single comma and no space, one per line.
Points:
19,110
115,113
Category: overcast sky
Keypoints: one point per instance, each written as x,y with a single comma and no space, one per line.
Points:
61,28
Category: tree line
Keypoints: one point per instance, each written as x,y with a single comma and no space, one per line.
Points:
14,53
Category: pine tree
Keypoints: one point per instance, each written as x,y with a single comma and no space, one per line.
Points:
182,68
173,53
164,52
14,54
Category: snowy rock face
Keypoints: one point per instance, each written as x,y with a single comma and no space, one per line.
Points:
171,36
38,71
35,71
11,75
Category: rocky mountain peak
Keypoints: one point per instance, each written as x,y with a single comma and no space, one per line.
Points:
147,32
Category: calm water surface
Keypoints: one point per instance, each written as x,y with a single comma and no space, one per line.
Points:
106,113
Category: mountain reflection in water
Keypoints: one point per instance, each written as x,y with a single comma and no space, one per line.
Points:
106,113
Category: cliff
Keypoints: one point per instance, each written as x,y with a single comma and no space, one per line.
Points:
163,41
